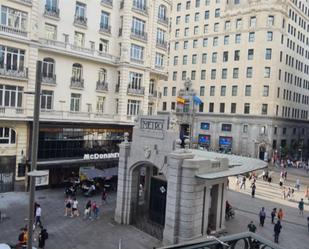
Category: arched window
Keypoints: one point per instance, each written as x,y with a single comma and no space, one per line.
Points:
48,67
102,75
77,71
7,135
162,12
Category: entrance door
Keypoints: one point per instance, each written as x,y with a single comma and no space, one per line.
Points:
7,173
157,202
262,153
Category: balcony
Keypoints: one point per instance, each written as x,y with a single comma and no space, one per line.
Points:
108,3
12,112
137,61
25,2
141,9
14,74
13,31
102,86
80,21
51,11
49,79
163,20
136,91
153,94
105,28
77,83
138,34
161,44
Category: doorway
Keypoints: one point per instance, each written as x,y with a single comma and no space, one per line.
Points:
262,151
7,173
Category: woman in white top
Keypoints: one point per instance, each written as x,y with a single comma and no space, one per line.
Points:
74,208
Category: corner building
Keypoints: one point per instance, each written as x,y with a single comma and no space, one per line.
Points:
248,61
102,63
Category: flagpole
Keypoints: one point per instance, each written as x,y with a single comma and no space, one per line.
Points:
192,122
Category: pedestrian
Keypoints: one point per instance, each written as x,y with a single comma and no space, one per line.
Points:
22,238
292,193
243,182
68,207
297,185
253,187
74,208
284,193
277,230
308,223
273,215
104,196
251,227
94,210
269,179
262,216
289,193
281,182
87,213
237,183
301,207
38,215
307,193
280,214
285,175
43,236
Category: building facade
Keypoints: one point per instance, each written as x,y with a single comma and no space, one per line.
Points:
248,61
102,62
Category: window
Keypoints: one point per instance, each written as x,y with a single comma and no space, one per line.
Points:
174,76
11,96
238,23
267,72
284,131
137,52
237,38
223,91
186,32
213,74
235,73
177,20
226,127
215,41
188,5
204,126
227,25
184,75
13,18
105,21
100,104
247,108
77,72
197,3
212,91
139,4
206,15
251,37
185,60
162,13
203,74
175,60
214,57
264,109
204,58
185,44
173,106
195,30
205,42
47,100
202,91
269,36
194,43
226,39
236,55
133,107
159,60
187,18
102,75
206,29
245,128
80,11
197,17
176,46
103,45
194,57
75,102
201,107
270,20
138,27
252,22
222,107
135,80
250,54
249,72
234,90
48,67
225,56
233,107
211,107
79,39
193,74
247,90
178,7
51,5
216,27
50,32
217,12
12,58
224,73
164,106
268,53
173,91
265,91
165,91
177,33
7,135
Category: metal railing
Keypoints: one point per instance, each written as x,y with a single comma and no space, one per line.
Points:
107,2
102,86
49,79
80,20
153,94
14,31
143,9
105,28
163,20
77,83
11,73
11,111
138,34
28,2
138,61
161,44
136,91
52,11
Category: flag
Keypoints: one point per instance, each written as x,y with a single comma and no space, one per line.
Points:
197,100
180,100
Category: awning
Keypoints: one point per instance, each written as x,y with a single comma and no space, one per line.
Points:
91,173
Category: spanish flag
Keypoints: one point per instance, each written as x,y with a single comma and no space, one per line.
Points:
180,100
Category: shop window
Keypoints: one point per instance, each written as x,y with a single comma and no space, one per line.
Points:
226,127
205,126
7,135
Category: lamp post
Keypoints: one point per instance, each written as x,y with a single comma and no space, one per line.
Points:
34,151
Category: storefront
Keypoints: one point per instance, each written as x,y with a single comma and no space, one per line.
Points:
204,141
225,144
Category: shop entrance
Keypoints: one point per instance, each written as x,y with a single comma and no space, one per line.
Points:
7,173
212,218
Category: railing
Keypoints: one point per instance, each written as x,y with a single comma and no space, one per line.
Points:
102,86
153,94
14,31
27,2
138,34
163,20
105,28
161,44
10,73
11,111
136,91
141,9
77,83
51,11
49,79
138,61
107,2
80,20
82,49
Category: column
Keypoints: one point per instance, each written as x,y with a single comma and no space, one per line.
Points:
206,209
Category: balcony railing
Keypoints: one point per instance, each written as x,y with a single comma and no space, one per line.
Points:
49,79
80,20
11,111
161,44
136,91
102,86
107,2
77,83
51,11
14,31
138,61
105,28
163,20
17,74
26,2
138,34
153,94
143,9
82,49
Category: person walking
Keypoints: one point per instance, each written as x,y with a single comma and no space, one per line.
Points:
297,185
43,236
253,188
281,182
87,212
280,214
251,227
243,182
273,215
104,196
277,230
68,207
301,207
74,208
38,215
262,216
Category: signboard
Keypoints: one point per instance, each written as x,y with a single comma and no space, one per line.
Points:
101,156
204,139
42,180
152,124
204,126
